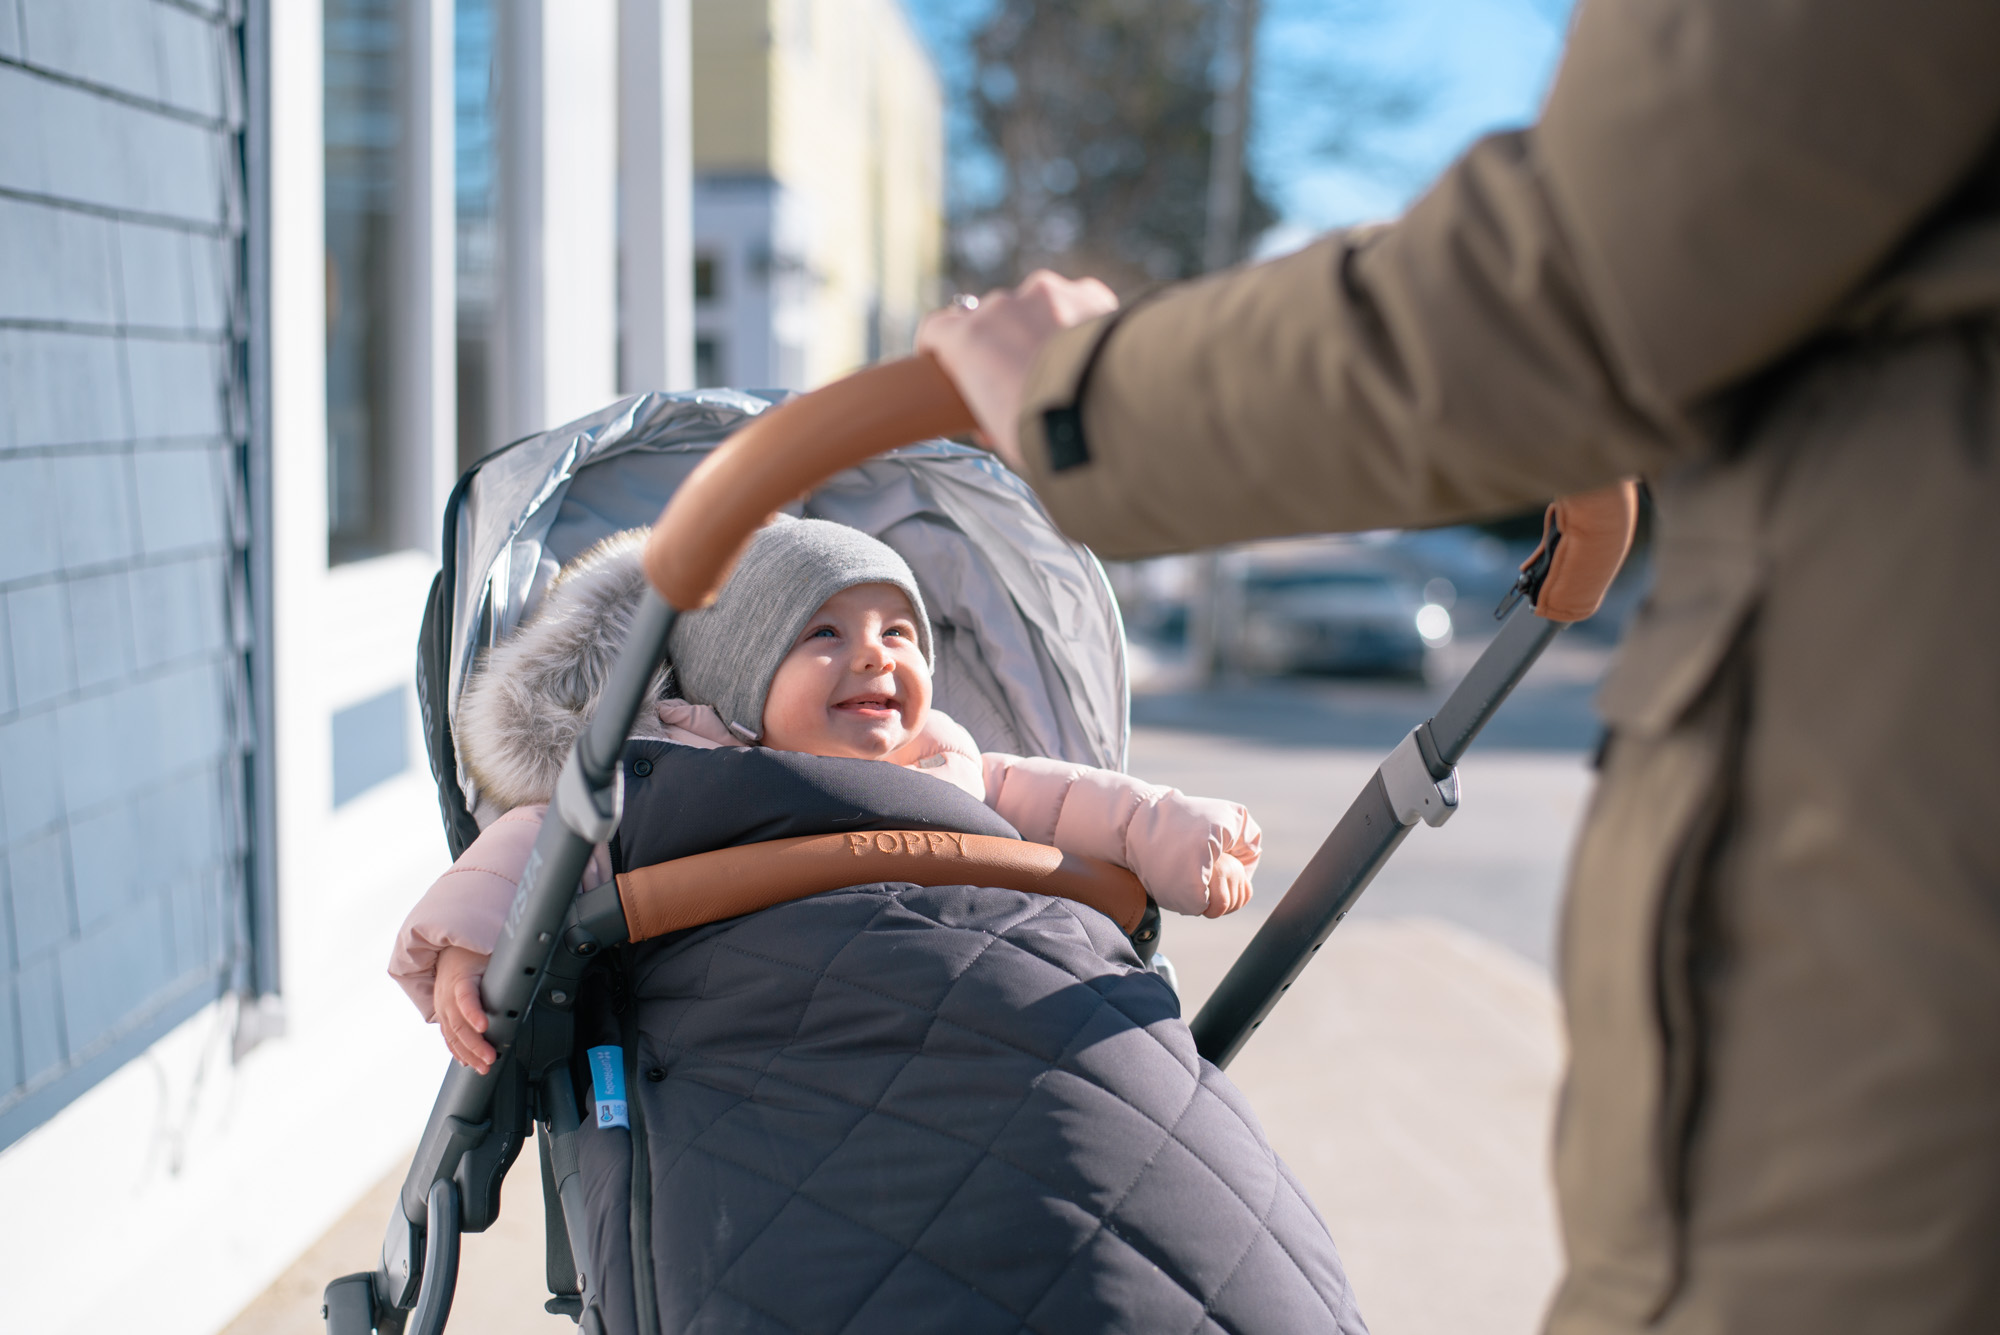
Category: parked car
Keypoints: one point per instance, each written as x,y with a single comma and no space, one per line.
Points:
1323,607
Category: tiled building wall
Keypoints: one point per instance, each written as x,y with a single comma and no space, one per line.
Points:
123,715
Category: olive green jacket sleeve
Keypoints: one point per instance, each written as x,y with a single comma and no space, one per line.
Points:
1710,182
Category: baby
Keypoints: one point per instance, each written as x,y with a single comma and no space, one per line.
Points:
818,643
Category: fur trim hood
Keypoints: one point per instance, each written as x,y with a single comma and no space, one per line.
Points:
530,696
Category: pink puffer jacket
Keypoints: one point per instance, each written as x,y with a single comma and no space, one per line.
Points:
1174,843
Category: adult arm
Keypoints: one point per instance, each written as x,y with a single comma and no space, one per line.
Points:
1710,180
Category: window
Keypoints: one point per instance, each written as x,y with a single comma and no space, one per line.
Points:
363,135
704,278
708,362
474,30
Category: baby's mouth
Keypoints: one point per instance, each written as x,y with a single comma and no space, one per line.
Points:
870,706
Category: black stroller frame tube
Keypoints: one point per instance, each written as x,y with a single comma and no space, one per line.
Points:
1371,829
584,813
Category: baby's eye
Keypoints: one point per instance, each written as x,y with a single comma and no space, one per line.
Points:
904,631
818,632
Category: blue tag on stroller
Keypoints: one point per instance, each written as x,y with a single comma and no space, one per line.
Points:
607,1080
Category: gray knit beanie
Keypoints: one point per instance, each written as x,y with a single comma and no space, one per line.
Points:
726,655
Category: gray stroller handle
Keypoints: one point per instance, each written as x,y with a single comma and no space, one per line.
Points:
1584,541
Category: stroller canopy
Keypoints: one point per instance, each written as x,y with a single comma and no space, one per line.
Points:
1030,649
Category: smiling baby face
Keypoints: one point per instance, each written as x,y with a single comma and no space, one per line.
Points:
855,682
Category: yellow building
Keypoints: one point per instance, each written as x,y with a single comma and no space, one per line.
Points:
819,188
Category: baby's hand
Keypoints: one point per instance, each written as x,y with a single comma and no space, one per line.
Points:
1228,887
459,1013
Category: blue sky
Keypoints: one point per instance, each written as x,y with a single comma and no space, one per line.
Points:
1465,66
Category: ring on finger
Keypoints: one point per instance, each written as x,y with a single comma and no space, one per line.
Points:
965,301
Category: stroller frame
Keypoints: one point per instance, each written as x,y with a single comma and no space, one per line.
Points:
479,1122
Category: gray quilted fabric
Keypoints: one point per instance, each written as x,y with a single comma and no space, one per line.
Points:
966,1110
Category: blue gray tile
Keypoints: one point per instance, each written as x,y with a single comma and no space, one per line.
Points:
10,1039
153,274
31,795
38,643
142,735
96,758
113,972
179,824
93,501
176,169
37,991
61,388
7,702
213,269
100,629
191,60
111,43
196,909
116,866
27,520
93,150
55,264
177,388
133,740
220,924
7,953
188,723
23,157
177,609
180,499
110,864
38,893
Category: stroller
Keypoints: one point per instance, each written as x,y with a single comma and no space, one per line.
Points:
1030,658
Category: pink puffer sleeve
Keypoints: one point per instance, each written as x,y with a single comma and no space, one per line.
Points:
1171,841
467,906
944,749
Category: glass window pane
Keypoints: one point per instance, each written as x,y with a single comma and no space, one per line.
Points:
363,135
478,233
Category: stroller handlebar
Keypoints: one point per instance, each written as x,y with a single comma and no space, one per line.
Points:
789,450
1590,533
729,882
783,454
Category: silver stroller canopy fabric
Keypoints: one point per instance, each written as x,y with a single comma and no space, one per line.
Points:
1030,648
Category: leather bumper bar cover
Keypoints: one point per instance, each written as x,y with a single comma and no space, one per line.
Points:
783,454
728,882
1597,528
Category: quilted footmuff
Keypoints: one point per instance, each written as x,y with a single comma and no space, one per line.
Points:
963,1109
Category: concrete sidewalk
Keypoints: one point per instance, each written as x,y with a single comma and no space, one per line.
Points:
1409,1080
